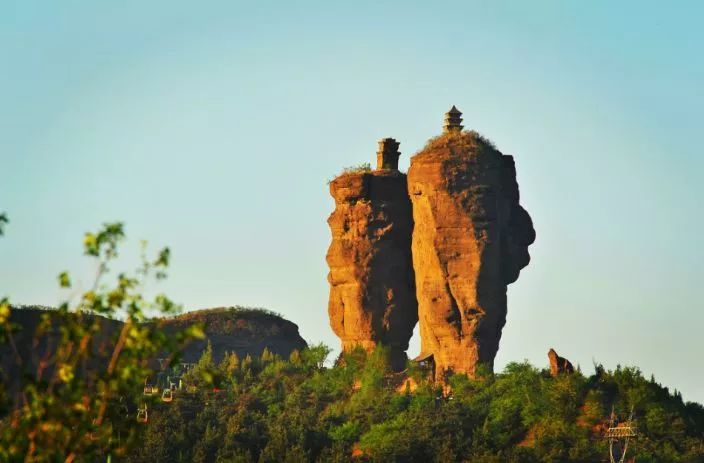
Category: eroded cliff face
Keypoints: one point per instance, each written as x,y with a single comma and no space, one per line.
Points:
372,292
470,241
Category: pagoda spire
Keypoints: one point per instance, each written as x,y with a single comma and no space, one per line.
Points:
453,120
387,154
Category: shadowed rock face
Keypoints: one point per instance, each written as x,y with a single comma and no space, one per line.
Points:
372,293
470,241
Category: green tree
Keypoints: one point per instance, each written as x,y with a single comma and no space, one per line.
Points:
230,363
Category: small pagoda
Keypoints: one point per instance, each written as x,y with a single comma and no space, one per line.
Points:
453,120
387,155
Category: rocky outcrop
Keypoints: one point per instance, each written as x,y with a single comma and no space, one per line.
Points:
372,294
470,241
559,365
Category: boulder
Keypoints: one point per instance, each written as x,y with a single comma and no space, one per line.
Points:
559,365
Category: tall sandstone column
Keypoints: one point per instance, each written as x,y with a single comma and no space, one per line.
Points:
372,291
470,241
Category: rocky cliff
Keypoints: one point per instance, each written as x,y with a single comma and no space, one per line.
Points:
470,241
372,294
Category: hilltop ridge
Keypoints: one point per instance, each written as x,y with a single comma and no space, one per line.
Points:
243,330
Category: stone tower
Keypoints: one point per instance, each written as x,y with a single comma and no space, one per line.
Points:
470,241
387,154
372,293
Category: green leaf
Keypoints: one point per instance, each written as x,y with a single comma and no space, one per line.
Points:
64,280
90,244
4,310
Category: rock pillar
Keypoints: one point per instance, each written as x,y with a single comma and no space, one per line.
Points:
470,241
372,292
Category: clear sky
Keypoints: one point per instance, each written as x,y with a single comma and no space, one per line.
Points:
213,127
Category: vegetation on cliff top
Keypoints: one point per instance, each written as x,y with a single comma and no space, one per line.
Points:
363,167
229,320
467,140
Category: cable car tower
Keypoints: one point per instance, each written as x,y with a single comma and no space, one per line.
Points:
619,435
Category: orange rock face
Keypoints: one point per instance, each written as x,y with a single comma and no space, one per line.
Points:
372,293
470,241
559,365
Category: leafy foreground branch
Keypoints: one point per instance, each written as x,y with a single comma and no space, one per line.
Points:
66,400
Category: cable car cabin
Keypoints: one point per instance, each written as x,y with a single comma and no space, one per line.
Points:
426,362
150,388
167,395
142,415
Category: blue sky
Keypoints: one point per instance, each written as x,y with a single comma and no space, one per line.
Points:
213,127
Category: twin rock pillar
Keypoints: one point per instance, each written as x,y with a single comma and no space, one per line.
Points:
372,288
453,247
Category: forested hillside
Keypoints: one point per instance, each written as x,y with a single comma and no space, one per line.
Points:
270,409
